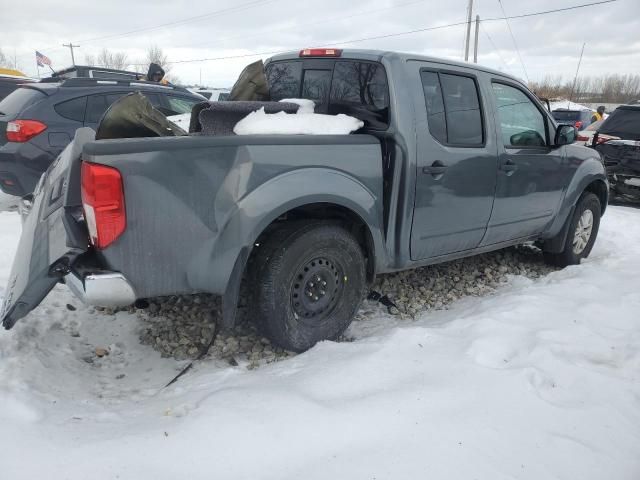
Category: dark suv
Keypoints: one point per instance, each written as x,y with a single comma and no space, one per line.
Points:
39,119
618,141
8,84
578,118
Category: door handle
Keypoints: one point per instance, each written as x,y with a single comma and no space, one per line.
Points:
509,166
436,168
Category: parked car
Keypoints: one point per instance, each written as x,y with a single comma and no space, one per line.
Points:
85,71
578,118
585,137
618,141
453,160
9,83
39,119
212,94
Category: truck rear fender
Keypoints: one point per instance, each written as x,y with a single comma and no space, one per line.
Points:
220,265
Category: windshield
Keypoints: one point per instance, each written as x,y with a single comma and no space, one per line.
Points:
20,99
623,123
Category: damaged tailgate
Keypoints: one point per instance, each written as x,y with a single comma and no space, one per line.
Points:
53,234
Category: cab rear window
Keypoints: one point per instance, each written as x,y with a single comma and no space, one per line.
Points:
352,87
20,99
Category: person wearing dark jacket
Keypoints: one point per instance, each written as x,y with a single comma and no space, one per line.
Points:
155,73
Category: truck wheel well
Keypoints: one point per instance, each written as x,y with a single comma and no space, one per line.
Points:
316,212
599,188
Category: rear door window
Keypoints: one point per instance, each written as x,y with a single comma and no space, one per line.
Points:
462,107
98,104
453,109
435,106
72,109
20,99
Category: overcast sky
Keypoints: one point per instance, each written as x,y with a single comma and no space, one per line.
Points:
549,44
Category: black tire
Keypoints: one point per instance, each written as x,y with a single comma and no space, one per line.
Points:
309,280
574,252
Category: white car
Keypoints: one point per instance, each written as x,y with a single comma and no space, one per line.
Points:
585,137
212,94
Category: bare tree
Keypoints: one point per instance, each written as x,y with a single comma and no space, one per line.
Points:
6,61
610,88
157,56
108,59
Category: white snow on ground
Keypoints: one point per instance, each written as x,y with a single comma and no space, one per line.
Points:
539,381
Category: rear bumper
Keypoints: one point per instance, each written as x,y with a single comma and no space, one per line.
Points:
107,289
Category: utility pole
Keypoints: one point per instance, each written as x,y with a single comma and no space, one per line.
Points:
576,77
466,43
475,47
71,46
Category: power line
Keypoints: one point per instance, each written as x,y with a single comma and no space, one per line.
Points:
515,44
309,24
397,34
494,47
183,21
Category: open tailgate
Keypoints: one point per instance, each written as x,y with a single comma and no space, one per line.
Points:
53,234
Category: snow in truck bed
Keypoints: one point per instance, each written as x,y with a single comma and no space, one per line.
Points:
539,381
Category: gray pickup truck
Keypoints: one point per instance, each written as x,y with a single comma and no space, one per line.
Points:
453,160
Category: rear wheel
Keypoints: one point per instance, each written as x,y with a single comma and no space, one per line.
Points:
582,233
309,281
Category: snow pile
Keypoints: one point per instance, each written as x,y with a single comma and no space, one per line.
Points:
567,105
537,381
306,105
304,122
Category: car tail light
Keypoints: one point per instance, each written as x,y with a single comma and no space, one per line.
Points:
103,203
582,138
321,52
578,125
601,138
24,130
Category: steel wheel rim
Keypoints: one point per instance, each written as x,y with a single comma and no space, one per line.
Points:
317,288
583,231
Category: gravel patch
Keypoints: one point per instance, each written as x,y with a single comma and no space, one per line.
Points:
182,326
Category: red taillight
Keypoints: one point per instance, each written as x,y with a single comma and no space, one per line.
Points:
582,138
578,125
602,138
103,203
24,130
321,52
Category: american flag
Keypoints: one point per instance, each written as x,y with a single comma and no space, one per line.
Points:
42,59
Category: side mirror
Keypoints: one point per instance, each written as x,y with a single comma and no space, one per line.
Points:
565,135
